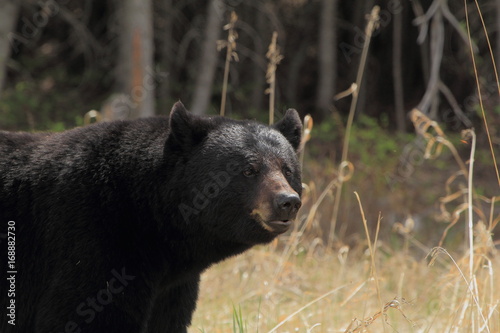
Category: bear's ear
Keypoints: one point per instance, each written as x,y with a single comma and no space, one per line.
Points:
187,129
291,128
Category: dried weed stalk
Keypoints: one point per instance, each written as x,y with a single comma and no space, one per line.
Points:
470,201
275,57
230,45
361,325
373,19
92,116
306,136
483,113
465,199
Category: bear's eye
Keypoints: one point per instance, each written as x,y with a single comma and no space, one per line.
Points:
249,172
287,172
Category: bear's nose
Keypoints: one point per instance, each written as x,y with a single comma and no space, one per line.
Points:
288,203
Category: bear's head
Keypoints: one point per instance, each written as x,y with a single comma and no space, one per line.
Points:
239,181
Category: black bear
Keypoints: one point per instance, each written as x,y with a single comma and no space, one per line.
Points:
107,228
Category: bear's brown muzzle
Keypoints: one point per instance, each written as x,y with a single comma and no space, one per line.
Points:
277,214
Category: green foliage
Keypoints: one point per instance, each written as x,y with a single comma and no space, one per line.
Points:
496,110
328,130
371,143
26,106
239,324
374,145
15,105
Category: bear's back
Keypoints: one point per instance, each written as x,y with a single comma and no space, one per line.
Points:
19,148
19,143
30,161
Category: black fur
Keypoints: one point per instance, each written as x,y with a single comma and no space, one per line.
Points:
115,222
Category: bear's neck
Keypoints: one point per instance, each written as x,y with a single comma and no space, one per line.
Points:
180,244
197,249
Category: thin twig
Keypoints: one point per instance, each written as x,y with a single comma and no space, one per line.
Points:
230,46
364,55
454,104
372,250
489,46
306,136
469,201
434,253
306,306
479,93
274,56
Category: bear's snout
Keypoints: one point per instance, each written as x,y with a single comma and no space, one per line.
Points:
287,204
277,203
277,212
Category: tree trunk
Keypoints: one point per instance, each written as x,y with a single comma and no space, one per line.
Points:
296,62
259,71
167,53
135,70
208,58
327,56
397,71
9,10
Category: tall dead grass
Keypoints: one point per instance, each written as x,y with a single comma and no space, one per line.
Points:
370,288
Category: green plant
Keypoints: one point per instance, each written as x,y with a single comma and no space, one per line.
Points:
239,324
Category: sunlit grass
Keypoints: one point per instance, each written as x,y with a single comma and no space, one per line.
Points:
417,297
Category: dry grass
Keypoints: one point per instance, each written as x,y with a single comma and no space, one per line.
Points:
351,290
335,292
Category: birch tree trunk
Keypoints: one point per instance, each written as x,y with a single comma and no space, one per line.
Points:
208,58
135,70
9,10
327,56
